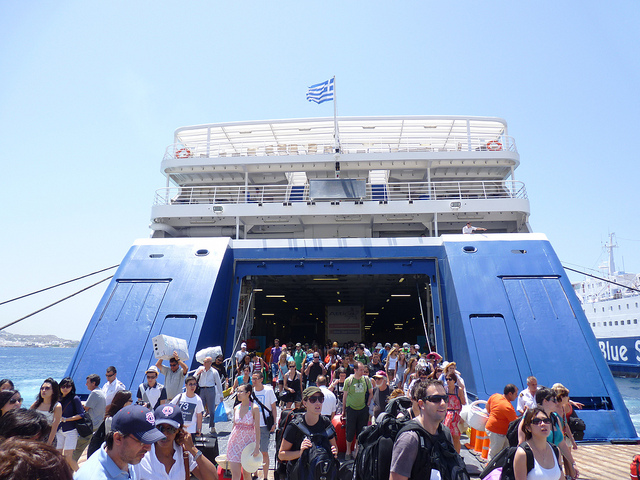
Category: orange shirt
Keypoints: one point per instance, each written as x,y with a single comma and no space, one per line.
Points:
501,414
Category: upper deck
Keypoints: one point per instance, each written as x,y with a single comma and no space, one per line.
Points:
387,176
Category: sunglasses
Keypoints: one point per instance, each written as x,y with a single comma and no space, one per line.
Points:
109,375
191,384
13,401
167,429
45,388
436,398
538,421
449,379
152,376
316,398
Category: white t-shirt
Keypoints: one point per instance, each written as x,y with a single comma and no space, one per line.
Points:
190,408
150,467
268,398
467,230
330,401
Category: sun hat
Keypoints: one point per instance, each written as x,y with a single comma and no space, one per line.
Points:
169,414
435,355
138,421
380,374
153,369
250,463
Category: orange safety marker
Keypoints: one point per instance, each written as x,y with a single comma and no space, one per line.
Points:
485,447
472,439
480,436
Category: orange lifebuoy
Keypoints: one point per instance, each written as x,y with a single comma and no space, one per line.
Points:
494,146
183,153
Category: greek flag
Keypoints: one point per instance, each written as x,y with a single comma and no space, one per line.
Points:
321,92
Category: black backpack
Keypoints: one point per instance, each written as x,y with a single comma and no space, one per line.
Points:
373,461
317,462
512,432
286,417
504,460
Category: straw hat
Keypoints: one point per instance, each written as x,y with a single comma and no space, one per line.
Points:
222,461
250,463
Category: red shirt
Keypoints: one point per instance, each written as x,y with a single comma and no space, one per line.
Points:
501,414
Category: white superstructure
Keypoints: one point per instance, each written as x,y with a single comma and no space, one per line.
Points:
613,306
379,177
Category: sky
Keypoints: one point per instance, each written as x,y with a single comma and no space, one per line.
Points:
91,93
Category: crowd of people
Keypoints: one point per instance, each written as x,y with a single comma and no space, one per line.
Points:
152,434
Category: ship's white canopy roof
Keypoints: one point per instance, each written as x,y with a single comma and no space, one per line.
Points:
399,130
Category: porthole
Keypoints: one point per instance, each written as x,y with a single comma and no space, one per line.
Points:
202,252
469,249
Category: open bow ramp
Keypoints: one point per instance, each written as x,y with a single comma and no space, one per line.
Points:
500,305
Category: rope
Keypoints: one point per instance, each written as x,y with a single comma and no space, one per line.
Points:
603,279
54,286
55,303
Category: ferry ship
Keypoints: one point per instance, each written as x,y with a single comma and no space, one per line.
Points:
350,228
612,306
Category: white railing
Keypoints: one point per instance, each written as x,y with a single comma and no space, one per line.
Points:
390,192
259,149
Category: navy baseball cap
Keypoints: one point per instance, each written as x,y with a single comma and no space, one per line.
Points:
169,414
138,421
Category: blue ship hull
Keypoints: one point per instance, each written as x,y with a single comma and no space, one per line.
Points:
503,308
622,354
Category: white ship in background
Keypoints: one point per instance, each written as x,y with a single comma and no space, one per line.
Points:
612,307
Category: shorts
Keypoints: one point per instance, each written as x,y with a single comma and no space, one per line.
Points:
265,436
356,421
66,440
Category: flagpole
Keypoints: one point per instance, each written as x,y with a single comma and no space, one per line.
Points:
336,134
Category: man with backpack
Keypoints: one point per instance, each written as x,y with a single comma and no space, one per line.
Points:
356,404
423,449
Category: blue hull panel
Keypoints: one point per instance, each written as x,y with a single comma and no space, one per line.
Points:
622,354
502,305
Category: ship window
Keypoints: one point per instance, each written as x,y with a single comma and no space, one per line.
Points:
594,324
610,324
635,321
616,322
619,307
628,322
611,308
603,309
202,252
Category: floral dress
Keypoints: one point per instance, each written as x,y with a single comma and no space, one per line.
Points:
453,413
242,434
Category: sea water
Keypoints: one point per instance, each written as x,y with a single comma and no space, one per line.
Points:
28,367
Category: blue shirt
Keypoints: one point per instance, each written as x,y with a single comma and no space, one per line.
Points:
99,466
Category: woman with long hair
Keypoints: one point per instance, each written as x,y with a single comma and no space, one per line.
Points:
9,400
409,374
456,398
246,429
72,411
536,426
47,404
165,459
120,400
292,386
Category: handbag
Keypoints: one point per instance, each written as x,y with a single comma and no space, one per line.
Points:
84,426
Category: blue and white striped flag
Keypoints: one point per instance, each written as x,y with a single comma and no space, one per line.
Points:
321,92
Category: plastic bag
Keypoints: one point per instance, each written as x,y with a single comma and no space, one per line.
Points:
221,414
212,352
